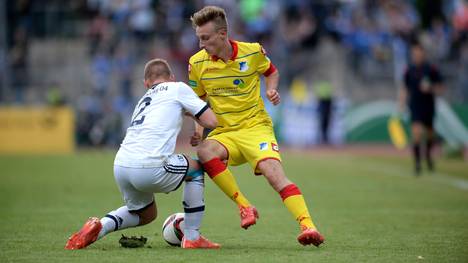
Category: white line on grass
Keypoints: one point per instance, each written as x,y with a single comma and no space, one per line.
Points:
397,171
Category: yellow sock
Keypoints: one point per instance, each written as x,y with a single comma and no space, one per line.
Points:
224,179
226,182
295,203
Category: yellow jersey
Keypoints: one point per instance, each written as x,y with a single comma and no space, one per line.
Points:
232,88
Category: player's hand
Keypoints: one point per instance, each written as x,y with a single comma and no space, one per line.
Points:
273,96
196,139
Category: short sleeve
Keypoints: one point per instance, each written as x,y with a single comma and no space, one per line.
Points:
265,66
190,101
194,81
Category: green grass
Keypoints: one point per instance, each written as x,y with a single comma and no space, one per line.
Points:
370,209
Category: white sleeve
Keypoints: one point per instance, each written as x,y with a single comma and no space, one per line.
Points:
190,101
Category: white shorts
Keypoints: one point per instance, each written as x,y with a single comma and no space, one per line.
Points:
138,185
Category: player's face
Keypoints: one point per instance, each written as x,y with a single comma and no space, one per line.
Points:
417,55
210,39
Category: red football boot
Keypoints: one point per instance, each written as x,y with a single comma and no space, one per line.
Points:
201,242
86,236
248,216
310,236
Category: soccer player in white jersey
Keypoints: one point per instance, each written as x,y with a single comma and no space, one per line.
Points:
146,163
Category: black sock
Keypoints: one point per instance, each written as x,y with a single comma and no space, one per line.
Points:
417,156
429,144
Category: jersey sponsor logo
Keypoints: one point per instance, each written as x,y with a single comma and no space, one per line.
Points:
275,147
243,66
192,83
239,82
263,146
210,69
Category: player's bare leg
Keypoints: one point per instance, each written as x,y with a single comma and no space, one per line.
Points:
293,200
213,157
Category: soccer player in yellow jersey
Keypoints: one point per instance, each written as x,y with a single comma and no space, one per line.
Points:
227,74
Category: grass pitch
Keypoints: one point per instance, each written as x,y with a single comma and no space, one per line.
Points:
370,209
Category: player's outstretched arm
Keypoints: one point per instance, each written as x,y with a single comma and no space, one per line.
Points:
197,135
207,119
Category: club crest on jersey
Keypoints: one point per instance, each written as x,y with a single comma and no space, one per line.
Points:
274,147
263,146
243,66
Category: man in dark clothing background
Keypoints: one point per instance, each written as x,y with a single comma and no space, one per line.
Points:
422,82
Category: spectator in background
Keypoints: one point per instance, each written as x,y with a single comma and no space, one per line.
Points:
460,19
324,93
462,94
99,31
422,82
19,63
101,69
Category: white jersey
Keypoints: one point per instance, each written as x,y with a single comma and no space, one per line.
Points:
156,122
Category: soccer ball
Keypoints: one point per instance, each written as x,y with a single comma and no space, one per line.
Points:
172,229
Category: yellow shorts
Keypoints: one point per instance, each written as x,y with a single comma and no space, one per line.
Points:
249,145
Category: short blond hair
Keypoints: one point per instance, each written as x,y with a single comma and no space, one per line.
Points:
157,68
214,14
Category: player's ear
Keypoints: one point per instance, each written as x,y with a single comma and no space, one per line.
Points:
223,33
146,83
172,77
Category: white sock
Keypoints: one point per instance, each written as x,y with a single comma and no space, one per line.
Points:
117,220
194,207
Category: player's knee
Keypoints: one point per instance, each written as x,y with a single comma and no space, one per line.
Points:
203,151
268,166
147,215
274,173
207,151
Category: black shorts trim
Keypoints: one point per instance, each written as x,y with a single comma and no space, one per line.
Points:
141,209
175,169
427,119
185,173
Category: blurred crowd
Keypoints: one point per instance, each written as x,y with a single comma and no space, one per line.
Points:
122,34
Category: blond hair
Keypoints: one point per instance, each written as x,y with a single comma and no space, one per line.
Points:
157,68
214,14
